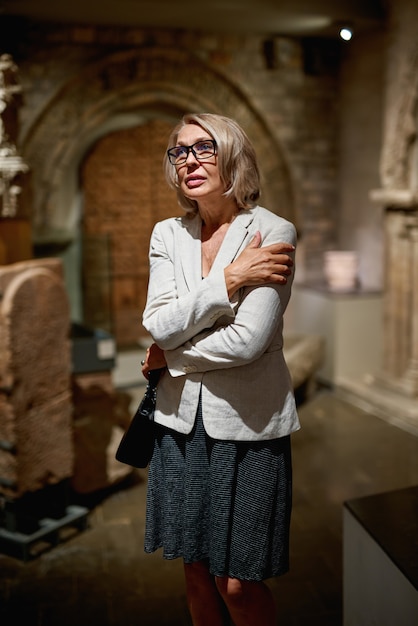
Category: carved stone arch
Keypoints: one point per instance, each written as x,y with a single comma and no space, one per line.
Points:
126,89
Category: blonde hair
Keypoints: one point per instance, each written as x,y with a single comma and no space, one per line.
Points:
237,161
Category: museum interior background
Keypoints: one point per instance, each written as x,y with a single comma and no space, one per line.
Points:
88,95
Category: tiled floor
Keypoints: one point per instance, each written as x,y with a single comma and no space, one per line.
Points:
101,577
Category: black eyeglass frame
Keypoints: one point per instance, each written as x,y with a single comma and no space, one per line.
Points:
174,161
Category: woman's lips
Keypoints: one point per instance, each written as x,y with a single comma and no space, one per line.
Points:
194,181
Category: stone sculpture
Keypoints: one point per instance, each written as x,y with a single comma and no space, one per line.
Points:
12,166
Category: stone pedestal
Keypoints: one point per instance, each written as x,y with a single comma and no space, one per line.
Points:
349,323
101,414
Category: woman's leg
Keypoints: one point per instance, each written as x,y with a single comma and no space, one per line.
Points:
249,603
205,604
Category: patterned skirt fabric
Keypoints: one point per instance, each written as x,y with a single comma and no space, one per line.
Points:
222,501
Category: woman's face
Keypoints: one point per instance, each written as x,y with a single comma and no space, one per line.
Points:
198,179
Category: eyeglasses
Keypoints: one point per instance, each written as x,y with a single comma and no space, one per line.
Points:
201,150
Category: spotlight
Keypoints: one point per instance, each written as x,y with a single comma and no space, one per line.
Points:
346,33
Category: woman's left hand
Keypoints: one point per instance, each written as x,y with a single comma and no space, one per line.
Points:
154,359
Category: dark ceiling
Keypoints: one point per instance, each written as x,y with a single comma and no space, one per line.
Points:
316,18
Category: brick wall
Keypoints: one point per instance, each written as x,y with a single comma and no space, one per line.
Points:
123,200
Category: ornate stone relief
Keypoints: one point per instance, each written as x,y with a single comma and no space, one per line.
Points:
12,165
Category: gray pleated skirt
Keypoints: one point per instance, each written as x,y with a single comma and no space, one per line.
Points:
225,502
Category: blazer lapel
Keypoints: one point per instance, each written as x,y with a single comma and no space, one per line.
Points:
188,247
190,251
235,239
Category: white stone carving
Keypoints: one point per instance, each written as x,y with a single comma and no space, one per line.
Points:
12,165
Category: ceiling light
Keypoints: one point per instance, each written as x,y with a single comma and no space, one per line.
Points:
346,33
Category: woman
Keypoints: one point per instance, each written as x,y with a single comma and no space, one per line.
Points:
219,484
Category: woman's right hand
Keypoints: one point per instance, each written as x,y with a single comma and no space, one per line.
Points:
259,265
154,359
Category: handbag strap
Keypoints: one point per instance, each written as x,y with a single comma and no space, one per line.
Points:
154,376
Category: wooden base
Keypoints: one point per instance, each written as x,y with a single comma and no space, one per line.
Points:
15,240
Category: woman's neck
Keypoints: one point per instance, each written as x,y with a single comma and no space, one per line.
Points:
214,229
215,216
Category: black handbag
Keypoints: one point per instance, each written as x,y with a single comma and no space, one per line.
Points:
137,444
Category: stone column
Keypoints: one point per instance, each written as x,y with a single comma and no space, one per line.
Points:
393,391
400,351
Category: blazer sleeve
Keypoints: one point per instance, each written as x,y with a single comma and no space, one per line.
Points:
257,322
255,328
174,316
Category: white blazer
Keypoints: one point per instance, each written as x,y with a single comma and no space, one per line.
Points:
230,352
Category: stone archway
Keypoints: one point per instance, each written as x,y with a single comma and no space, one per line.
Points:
127,87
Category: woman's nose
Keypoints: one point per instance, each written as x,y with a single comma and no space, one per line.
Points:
191,157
